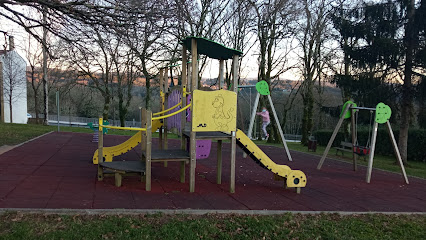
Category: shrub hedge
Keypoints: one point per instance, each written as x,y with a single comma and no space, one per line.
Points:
416,141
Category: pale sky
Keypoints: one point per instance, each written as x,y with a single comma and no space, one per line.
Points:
248,65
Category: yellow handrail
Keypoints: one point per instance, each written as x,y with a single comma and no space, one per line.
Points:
175,106
123,128
173,113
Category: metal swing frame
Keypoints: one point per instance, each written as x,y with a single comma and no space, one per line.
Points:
353,109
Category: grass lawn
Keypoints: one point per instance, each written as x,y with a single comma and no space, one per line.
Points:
159,226
17,133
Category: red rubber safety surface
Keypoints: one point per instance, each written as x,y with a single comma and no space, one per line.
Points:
56,171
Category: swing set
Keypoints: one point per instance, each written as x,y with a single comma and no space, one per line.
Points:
382,115
358,149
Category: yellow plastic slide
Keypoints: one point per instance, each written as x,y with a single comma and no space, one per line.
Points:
294,178
110,152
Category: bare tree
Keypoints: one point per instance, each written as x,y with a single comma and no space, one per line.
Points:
274,27
94,64
146,38
313,29
13,79
33,55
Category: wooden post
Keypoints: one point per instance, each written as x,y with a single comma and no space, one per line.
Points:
235,66
118,179
189,77
252,117
160,132
221,72
354,137
396,150
371,156
143,139
166,106
279,128
194,63
193,161
147,115
100,150
330,142
233,150
192,139
219,162
183,114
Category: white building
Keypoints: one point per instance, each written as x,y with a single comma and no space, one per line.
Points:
13,86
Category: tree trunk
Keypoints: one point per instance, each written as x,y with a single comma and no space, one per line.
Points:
407,88
45,87
35,94
122,110
308,105
148,93
107,102
10,106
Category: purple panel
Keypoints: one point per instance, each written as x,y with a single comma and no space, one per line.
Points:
174,98
203,148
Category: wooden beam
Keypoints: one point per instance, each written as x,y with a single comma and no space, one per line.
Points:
194,63
166,81
184,84
221,72
219,162
192,137
100,150
235,66
279,128
233,151
396,150
193,161
147,115
160,134
371,156
162,80
330,142
166,106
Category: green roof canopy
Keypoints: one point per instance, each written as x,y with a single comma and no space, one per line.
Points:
211,48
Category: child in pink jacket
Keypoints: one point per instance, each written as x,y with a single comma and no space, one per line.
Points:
265,118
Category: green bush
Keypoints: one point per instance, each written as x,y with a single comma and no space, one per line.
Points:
416,141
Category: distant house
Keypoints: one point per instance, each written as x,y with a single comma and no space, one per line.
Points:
13,86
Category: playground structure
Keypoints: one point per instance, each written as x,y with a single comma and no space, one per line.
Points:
210,115
382,115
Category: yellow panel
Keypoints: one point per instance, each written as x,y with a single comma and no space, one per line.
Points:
214,111
296,178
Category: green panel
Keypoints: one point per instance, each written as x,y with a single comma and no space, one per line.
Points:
105,130
383,113
211,48
263,88
348,113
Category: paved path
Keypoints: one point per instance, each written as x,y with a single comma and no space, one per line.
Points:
56,171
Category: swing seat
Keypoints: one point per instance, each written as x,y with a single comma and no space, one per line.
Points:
361,151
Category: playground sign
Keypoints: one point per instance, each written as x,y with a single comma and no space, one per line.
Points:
214,111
